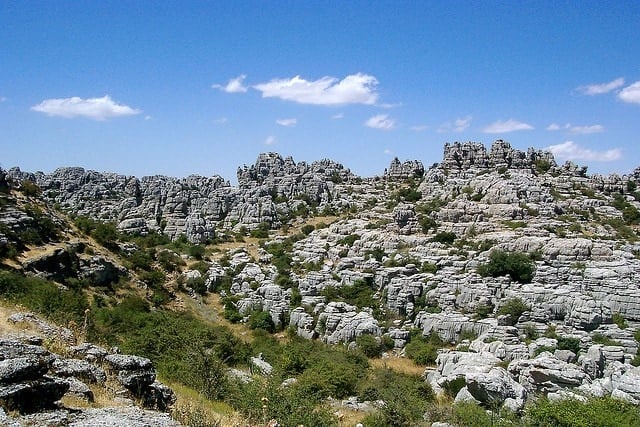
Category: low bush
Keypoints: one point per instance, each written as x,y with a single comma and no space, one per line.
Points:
518,266
43,297
444,237
597,412
406,398
513,307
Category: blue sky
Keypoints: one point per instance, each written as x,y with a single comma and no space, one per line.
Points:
185,87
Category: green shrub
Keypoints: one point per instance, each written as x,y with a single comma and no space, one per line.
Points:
598,338
542,166
368,345
454,386
106,234
483,310
333,373
262,320
421,351
376,253
596,412
572,344
307,228
470,414
406,398
41,229
429,267
408,195
264,398
427,223
170,261
29,188
619,320
631,215
445,237
518,266
349,240
43,297
360,293
513,307
196,251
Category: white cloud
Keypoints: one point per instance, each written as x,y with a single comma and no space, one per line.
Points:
419,128
93,108
220,120
338,116
380,121
287,122
233,85
506,126
270,140
569,150
458,125
387,151
576,130
148,117
600,88
584,130
353,89
631,94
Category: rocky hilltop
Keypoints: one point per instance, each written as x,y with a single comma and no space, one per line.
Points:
268,191
528,269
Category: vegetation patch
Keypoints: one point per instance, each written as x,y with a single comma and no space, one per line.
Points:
518,266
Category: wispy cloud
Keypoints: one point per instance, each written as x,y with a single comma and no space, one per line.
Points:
234,85
387,151
3,98
287,122
380,121
353,89
338,116
631,93
270,140
458,125
569,150
510,125
576,130
92,108
600,88
220,120
419,128
584,130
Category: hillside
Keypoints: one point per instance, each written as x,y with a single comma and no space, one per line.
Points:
511,280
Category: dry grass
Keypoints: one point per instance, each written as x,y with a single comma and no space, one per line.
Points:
192,409
349,417
250,244
210,311
7,327
401,365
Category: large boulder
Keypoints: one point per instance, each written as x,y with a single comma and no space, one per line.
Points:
494,387
546,373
